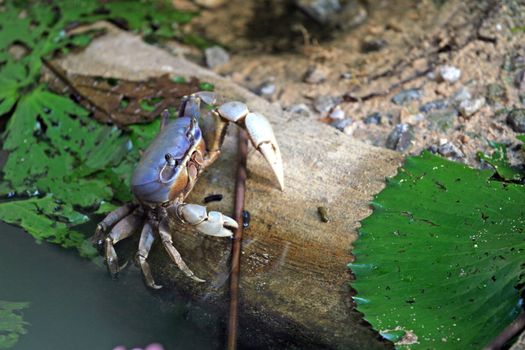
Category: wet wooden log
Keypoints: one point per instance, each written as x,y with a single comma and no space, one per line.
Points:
294,279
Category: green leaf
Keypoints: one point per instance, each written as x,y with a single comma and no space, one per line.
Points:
63,161
45,219
12,324
105,207
197,41
179,80
55,149
500,162
204,86
441,255
50,138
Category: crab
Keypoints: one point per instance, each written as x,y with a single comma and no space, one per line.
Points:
168,171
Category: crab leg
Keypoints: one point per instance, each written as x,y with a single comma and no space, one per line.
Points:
167,242
110,220
123,229
145,243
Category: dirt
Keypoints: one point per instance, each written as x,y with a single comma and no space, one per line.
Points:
273,43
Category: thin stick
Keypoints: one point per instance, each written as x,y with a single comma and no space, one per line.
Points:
517,326
237,241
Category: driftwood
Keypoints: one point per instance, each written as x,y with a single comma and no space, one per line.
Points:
294,280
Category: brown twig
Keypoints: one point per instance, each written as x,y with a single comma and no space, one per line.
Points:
237,241
517,326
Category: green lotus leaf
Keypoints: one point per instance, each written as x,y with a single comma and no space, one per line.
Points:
441,257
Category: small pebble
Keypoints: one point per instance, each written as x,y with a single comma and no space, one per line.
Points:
516,119
407,96
400,139
436,104
433,149
519,81
449,74
337,113
496,94
373,44
320,10
300,109
315,74
469,107
449,150
442,119
394,26
266,89
211,4
346,76
414,118
354,13
464,139
461,95
431,76
374,118
342,125
517,61
216,56
325,103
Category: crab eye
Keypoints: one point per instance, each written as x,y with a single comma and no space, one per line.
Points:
170,159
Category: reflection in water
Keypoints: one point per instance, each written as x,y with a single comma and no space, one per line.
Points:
75,305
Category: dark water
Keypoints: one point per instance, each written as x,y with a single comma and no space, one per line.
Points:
74,304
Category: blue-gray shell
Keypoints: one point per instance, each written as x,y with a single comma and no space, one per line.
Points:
146,183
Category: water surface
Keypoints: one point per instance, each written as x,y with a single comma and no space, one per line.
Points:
74,304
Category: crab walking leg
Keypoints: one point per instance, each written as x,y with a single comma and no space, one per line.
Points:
111,219
260,132
167,242
146,241
122,230
211,223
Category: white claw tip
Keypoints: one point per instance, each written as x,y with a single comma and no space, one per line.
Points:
273,157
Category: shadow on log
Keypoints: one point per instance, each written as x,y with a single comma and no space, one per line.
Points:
295,287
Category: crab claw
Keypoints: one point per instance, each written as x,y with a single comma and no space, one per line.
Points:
262,137
212,223
260,131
